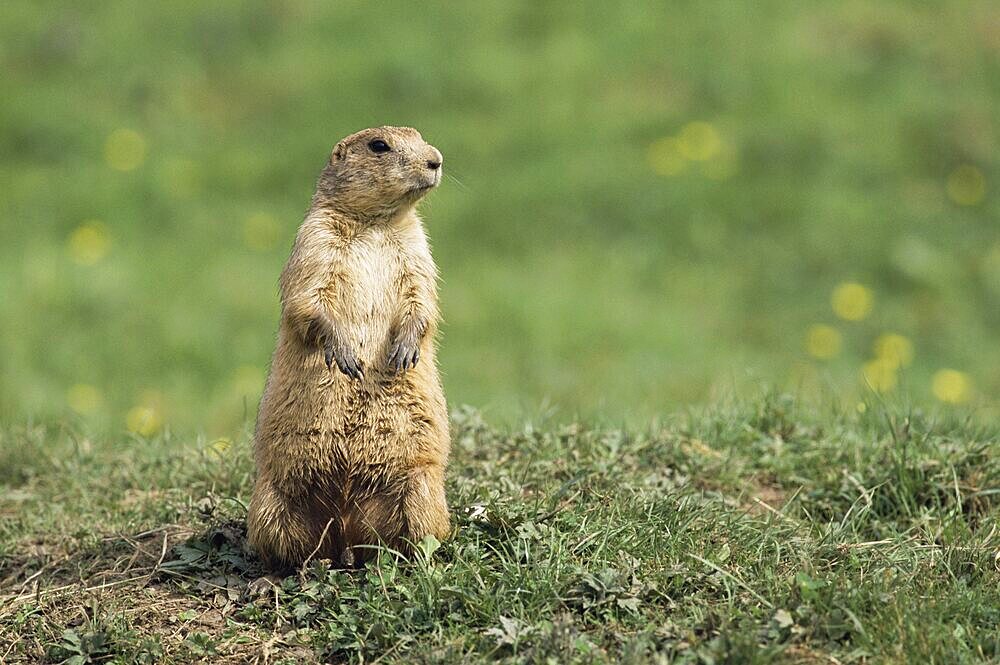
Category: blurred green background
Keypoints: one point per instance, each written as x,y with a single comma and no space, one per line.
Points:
649,203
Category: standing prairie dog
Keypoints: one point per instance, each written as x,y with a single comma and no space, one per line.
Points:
352,437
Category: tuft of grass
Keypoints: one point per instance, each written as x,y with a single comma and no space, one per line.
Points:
759,532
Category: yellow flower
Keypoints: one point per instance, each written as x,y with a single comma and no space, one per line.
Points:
894,349
852,301
823,341
221,445
83,398
144,420
966,185
879,375
260,232
125,150
665,157
89,243
699,142
952,386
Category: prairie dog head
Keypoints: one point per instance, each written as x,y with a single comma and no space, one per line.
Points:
376,172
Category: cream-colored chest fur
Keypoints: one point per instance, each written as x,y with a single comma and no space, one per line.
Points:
369,291
376,267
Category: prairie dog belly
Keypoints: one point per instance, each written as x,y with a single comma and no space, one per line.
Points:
370,299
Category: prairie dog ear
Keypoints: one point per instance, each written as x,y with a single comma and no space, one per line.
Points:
339,152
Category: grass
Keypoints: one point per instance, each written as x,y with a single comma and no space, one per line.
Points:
752,532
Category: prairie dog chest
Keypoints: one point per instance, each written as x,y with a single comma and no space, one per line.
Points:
370,284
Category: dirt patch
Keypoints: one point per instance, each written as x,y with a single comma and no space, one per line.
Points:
144,597
42,566
798,654
765,498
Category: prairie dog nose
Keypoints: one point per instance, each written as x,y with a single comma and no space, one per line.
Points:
435,159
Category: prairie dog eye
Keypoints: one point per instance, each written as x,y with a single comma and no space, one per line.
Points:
378,145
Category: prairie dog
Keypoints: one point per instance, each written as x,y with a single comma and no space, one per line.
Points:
352,436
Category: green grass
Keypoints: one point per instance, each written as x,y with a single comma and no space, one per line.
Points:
758,532
573,274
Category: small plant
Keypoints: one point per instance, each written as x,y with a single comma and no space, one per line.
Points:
78,647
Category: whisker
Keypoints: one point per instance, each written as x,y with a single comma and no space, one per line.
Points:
457,181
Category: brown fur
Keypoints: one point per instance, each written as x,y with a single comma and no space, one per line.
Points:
352,434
